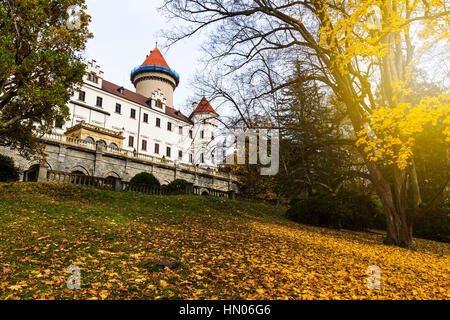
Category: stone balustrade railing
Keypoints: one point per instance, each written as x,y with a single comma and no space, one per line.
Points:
130,154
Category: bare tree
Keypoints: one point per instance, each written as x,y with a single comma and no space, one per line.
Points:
360,67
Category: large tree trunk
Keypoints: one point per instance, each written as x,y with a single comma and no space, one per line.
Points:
399,225
394,197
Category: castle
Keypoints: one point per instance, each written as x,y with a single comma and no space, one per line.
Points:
116,133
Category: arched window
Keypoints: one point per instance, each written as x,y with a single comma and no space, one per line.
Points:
102,142
89,139
93,77
113,145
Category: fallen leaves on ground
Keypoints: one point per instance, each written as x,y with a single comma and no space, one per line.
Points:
226,249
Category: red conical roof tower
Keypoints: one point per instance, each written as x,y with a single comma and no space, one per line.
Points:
153,75
205,106
155,59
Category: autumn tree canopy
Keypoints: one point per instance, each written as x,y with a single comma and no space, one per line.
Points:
366,53
40,66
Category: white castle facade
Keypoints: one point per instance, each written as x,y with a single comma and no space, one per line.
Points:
114,133
144,121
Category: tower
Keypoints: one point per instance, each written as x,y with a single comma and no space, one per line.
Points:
206,125
156,80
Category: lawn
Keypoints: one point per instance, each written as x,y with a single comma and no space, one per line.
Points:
225,250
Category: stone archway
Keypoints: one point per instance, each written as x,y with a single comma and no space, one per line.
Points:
111,179
204,192
32,173
80,170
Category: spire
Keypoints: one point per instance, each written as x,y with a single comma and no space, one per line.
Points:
155,59
205,106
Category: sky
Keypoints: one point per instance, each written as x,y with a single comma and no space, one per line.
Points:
124,34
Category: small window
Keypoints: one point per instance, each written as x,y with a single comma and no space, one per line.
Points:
180,155
93,77
133,114
212,136
202,134
118,108
99,102
82,96
131,141
59,124
190,134
180,130
113,145
191,158
159,104
158,122
169,126
202,158
212,157
144,145
157,148
145,117
89,139
168,151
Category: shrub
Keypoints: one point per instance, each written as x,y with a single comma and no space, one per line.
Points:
177,186
8,171
435,225
349,210
146,179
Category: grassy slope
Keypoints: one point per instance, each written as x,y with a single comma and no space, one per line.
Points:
229,249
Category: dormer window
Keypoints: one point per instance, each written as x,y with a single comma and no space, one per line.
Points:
93,77
159,104
121,90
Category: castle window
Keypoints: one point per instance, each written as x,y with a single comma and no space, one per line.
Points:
113,145
158,122
169,126
59,123
212,157
103,143
99,102
180,130
133,114
157,148
168,151
202,158
159,104
82,96
202,134
144,145
191,158
131,141
190,134
145,117
118,108
212,136
180,155
93,77
89,139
